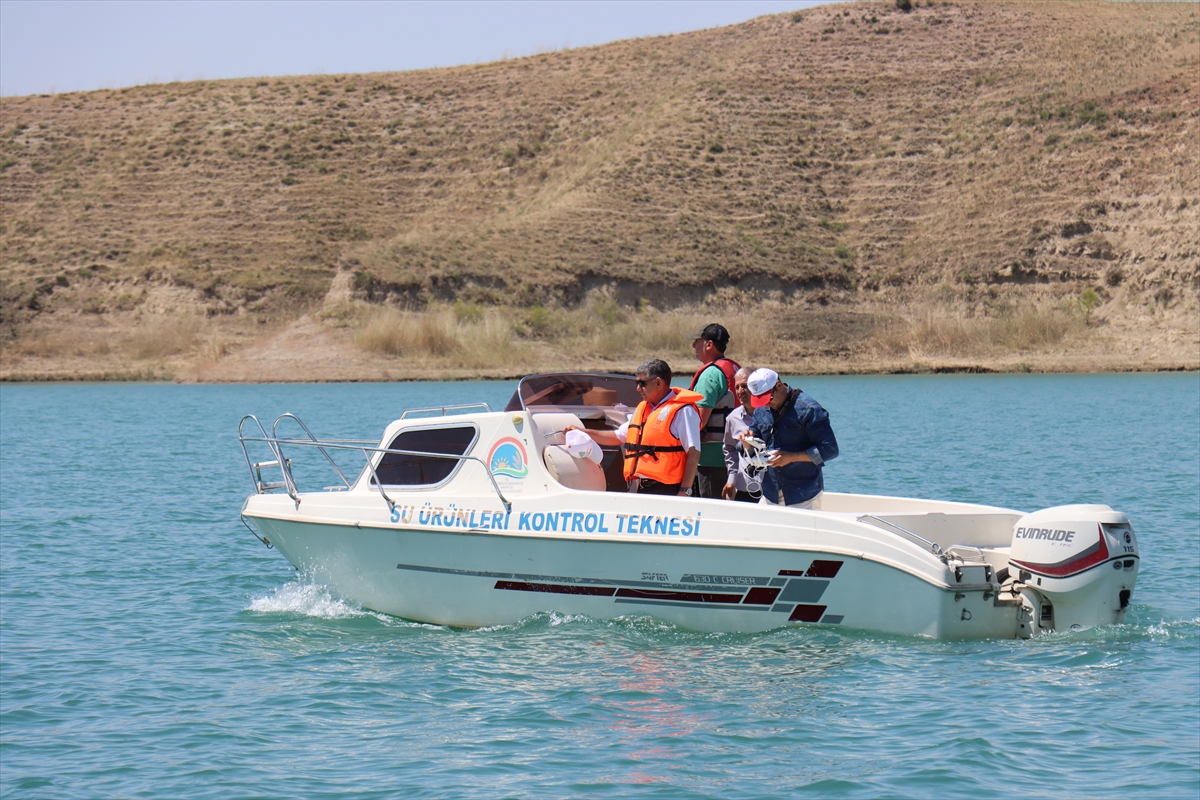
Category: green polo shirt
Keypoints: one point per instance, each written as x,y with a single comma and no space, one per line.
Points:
713,386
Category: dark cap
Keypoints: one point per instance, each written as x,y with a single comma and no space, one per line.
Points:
714,333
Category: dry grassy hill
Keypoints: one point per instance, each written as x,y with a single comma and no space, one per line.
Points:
998,185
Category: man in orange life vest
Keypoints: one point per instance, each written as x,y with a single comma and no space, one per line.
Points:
714,380
662,439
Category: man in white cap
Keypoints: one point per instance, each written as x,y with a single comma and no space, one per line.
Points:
797,431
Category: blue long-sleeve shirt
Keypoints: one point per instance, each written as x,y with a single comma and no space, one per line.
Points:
803,426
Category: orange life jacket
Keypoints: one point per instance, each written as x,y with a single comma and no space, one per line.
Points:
650,448
714,431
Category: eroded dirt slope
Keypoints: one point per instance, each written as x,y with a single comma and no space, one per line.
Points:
981,157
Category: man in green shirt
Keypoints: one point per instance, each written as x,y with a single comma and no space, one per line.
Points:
714,380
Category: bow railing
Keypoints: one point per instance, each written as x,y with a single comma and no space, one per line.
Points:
368,448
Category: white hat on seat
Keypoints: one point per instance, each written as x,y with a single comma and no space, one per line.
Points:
580,445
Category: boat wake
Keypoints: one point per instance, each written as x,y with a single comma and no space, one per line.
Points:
638,625
315,600
306,599
1180,628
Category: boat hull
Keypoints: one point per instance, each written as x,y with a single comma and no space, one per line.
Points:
474,579
518,525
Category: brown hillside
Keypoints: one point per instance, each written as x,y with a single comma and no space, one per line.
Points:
878,172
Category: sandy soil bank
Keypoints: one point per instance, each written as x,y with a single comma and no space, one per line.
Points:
311,350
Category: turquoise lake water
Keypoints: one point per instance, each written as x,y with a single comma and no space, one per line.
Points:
150,647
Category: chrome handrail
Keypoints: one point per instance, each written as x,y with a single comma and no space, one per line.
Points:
332,463
378,483
274,443
934,547
464,407
979,557
279,460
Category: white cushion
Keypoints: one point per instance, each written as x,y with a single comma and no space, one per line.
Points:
572,472
548,427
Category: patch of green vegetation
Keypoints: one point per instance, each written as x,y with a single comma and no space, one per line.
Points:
539,320
469,311
364,281
1091,114
609,312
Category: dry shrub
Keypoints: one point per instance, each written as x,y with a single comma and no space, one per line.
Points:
82,342
490,341
467,335
753,338
154,339
927,332
213,348
160,337
602,328
668,333
406,333
485,339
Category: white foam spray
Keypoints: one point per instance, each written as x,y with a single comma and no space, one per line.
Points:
309,599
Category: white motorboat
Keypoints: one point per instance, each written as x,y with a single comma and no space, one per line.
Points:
470,517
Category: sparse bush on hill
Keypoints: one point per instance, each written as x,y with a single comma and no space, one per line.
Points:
931,333
505,339
399,333
1083,306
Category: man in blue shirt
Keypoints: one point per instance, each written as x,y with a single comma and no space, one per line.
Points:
797,432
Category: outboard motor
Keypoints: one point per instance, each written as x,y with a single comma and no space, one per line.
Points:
1078,565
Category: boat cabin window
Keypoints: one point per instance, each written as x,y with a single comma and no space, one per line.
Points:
396,469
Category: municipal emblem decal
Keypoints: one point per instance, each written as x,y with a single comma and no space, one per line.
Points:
508,458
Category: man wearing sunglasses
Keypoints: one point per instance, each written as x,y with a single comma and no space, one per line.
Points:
661,441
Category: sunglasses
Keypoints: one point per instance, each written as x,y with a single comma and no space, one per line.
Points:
641,384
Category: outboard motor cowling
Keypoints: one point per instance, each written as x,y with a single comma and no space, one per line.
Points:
1082,559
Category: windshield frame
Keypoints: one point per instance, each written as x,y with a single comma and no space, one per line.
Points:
533,390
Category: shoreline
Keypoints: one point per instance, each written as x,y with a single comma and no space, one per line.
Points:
431,375
357,342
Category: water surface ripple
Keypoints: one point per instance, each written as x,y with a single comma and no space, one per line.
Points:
150,647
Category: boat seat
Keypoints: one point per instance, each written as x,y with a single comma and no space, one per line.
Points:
574,473
551,422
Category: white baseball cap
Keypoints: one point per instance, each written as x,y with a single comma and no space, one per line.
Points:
760,383
580,445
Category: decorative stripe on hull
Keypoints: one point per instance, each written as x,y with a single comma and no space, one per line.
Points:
795,590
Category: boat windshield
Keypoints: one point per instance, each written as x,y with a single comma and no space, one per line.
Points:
575,389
